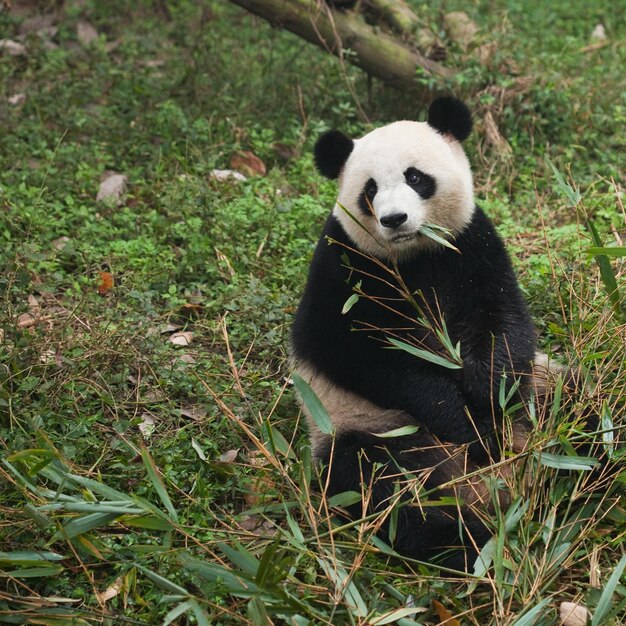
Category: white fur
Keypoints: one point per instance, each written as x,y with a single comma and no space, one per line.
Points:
384,155
347,410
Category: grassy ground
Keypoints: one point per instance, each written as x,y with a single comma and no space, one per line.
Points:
145,481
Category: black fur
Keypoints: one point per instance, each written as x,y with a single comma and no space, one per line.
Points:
483,308
477,294
425,185
331,153
359,458
450,116
367,196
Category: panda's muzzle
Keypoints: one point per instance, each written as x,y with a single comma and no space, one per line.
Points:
394,220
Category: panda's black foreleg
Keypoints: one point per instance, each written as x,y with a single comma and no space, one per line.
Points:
433,397
382,470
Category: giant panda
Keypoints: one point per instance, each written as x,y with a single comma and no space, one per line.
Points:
392,182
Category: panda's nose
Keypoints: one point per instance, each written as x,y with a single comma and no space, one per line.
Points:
394,220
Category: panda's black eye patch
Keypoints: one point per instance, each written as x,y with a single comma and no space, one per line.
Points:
367,196
423,184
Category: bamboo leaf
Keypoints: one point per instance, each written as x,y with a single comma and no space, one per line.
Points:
355,220
350,302
345,498
606,271
398,432
604,604
84,524
388,618
100,507
608,250
528,618
312,402
212,572
485,558
257,612
573,195
157,483
33,572
431,234
345,586
240,557
25,557
148,522
200,614
177,611
608,435
431,357
161,581
560,461
62,476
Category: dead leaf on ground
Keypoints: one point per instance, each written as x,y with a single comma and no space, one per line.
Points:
182,338
42,25
190,309
169,328
222,175
16,99
112,188
51,356
110,591
250,522
154,62
147,424
572,614
194,412
460,28
485,53
26,320
86,33
199,451
229,456
248,163
60,243
258,526
598,33
445,617
260,490
285,151
105,283
33,304
153,395
12,48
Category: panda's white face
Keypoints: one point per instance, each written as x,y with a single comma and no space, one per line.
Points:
399,178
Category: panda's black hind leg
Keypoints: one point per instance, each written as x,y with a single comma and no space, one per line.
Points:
381,469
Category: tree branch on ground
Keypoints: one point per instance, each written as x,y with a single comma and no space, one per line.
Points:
393,59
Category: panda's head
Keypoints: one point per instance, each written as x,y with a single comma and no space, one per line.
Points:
398,178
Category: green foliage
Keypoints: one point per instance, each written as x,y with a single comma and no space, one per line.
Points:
175,480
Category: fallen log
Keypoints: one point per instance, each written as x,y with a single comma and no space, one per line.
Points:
392,60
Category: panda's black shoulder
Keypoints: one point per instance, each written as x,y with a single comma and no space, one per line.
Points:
326,288
328,251
481,242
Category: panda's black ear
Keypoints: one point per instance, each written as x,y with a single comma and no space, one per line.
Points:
450,116
331,153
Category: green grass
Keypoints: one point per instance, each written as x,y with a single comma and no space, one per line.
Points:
206,515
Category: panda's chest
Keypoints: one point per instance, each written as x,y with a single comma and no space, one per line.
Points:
408,299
